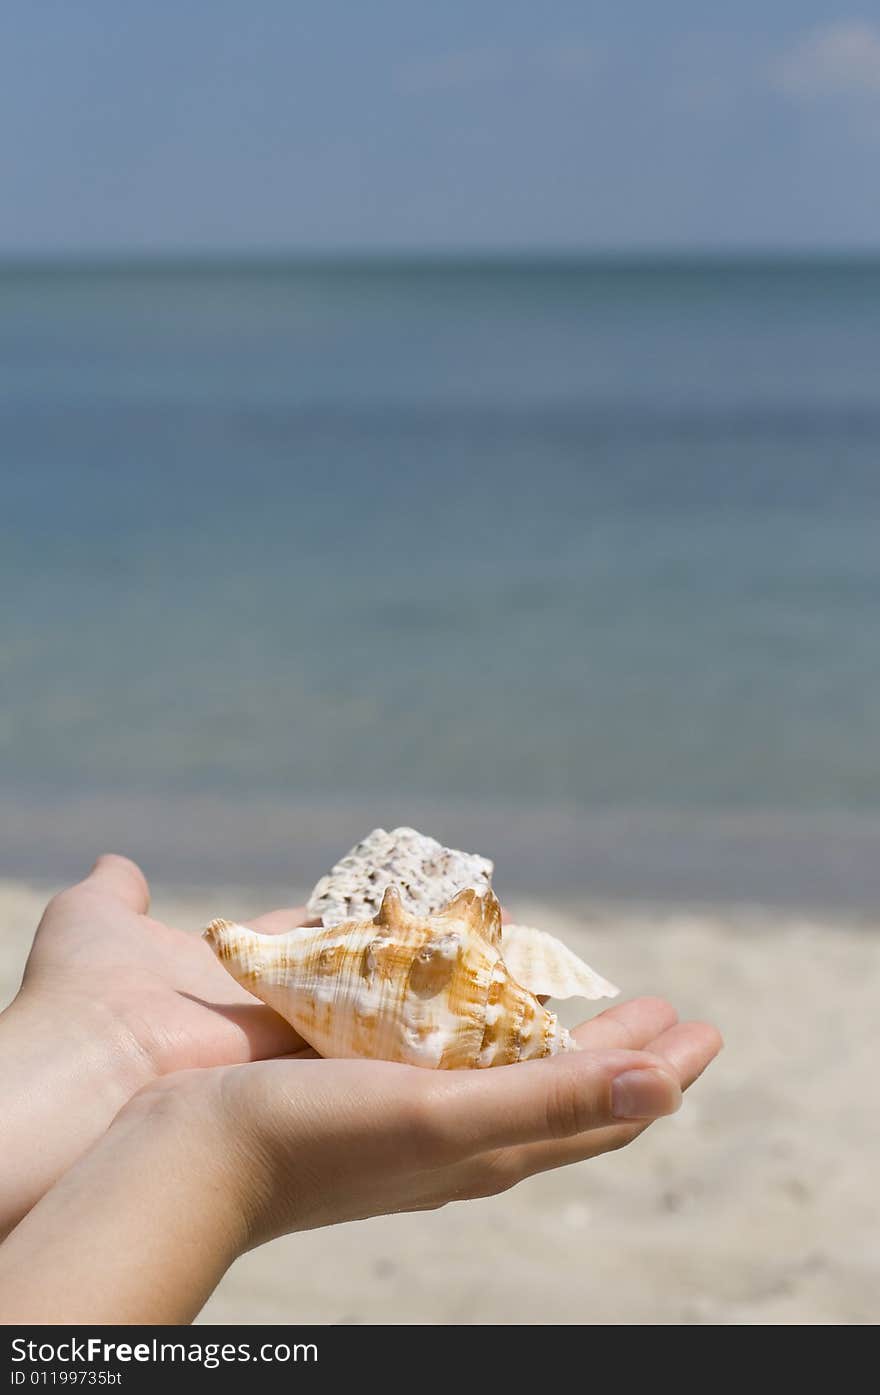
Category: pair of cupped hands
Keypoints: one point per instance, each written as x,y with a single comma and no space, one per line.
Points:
159,1121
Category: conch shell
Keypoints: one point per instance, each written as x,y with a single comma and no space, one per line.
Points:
408,963
425,990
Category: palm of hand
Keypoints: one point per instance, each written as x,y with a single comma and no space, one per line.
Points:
163,988
346,1139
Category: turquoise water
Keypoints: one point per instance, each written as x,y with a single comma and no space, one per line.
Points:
589,538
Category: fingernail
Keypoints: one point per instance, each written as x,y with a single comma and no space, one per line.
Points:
643,1094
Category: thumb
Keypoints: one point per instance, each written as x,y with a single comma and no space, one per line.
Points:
118,876
555,1098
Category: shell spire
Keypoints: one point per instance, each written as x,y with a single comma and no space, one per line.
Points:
391,913
481,913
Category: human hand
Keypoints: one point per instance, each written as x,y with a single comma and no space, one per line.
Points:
162,992
206,1164
329,1141
111,1000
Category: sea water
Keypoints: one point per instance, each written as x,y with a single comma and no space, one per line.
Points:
584,544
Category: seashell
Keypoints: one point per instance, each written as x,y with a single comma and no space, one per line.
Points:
549,968
426,874
425,989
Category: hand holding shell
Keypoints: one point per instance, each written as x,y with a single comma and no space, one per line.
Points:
428,984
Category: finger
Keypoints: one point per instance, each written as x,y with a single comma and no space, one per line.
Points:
118,876
630,1026
279,922
689,1048
554,1098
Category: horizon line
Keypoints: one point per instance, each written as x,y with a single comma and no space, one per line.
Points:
379,256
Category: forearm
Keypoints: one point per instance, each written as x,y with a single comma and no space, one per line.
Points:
139,1231
63,1078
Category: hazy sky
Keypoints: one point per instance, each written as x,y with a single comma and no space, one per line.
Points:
467,123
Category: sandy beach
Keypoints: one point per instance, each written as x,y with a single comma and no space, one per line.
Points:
756,1204
471,427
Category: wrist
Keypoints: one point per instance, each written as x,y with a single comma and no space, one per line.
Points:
190,1118
66,1068
51,1033
142,1228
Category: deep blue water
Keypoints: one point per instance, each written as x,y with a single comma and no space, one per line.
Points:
583,536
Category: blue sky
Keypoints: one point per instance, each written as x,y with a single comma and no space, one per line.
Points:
476,124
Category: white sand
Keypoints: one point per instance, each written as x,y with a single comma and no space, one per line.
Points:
758,1203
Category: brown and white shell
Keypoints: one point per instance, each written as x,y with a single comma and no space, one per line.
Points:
428,990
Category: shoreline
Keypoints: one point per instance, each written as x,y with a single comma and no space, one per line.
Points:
642,858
